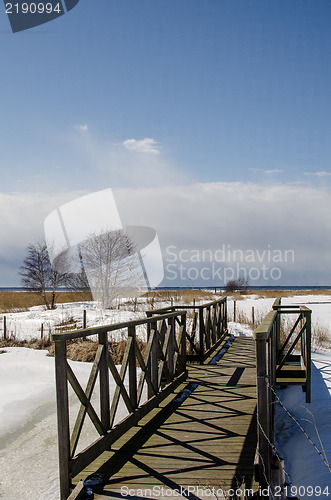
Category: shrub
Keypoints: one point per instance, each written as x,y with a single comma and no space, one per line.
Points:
240,283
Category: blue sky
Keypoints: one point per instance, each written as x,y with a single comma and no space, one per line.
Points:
135,95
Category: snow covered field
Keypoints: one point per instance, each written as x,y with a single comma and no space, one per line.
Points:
28,433
27,324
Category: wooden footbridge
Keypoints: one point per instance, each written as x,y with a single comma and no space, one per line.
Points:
199,406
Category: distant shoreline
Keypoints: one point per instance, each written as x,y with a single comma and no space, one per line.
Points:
209,288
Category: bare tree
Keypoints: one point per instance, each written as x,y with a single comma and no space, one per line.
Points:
78,283
40,276
112,266
234,285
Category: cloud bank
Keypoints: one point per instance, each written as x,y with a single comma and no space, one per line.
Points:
199,216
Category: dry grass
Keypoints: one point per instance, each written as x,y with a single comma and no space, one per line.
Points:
14,301
77,349
247,319
320,337
38,344
11,301
68,324
269,294
186,295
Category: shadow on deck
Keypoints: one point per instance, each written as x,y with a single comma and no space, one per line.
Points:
199,444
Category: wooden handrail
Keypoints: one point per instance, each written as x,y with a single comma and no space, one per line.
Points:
209,327
271,357
87,332
263,331
163,368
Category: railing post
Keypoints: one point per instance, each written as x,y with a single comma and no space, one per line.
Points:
214,324
276,306
62,416
171,348
220,320
208,328
278,318
272,378
183,341
154,359
308,355
201,335
263,412
104,382
132,367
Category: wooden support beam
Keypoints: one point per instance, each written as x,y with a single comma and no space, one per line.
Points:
62,417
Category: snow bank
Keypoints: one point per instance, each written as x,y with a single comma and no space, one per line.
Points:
28,433
302,461
27,375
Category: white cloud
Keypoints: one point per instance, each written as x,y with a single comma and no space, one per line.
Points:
147,145
118,166
83,127
266,172
320,173
273,171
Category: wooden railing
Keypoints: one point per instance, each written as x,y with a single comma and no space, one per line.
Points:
208,327
163,368
283,358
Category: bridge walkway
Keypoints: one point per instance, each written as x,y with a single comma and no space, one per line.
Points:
201,438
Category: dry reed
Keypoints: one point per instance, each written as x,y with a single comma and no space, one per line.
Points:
15,301
77,349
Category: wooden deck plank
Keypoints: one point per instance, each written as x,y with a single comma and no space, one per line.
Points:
209,439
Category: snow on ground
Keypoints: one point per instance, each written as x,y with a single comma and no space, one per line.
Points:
27,324
303,463
239,330
28,434
319,304
309,475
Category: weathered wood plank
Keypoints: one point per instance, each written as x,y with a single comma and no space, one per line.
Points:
85,457
62,417
82,411
206,439
85,401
